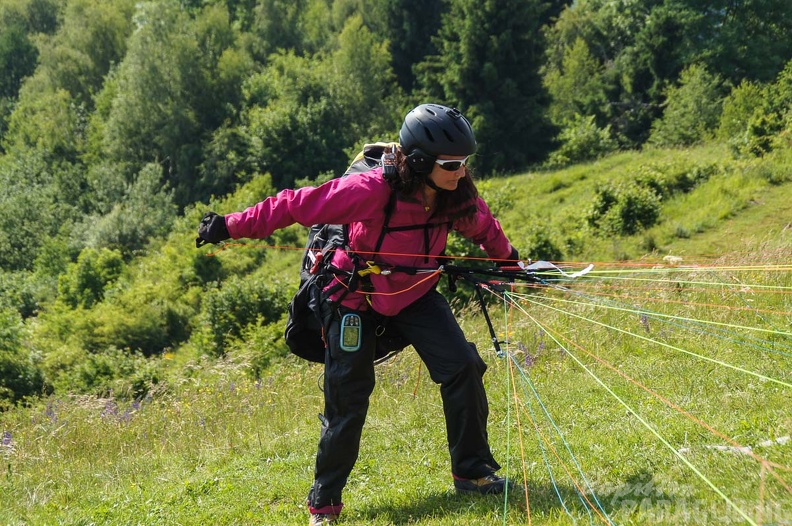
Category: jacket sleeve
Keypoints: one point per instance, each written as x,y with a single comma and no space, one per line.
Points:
483,229
342,200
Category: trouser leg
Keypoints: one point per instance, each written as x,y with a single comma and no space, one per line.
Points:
454,363
348,384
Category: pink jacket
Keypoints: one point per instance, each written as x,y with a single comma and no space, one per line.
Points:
360,201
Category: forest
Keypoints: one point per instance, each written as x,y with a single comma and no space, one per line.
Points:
122,121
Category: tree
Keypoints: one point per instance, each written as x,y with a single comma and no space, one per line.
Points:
294,126
488,65
692,111
409,26
84,282
577,87
18,58
168,93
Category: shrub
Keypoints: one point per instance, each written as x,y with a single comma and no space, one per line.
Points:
540,245
19,376
85,281
237,303
738,108
693,109
124,374
623,208
582,140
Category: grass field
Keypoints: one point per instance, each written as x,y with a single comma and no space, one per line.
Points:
619,415
651,391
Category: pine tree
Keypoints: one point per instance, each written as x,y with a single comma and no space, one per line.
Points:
488,65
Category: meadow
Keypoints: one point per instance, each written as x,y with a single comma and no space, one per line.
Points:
653,390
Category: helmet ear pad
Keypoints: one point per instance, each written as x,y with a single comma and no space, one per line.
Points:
420,161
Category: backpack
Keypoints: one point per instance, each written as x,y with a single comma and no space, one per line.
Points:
306,321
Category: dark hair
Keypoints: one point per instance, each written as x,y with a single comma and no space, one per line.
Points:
450,205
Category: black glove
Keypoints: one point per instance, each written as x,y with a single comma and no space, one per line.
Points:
514,257
211,230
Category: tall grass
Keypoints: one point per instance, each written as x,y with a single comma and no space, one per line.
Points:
614,403
225,448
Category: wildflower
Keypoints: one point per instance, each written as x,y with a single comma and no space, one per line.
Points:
645,322
50,413
110,409
7,438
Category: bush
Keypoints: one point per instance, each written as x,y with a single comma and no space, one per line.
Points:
85,281
145,211
693,109
19,376
738,109
582,140
623,208
227,310
540,245
123,374
668,179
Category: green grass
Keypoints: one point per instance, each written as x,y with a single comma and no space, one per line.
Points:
222,448
212,444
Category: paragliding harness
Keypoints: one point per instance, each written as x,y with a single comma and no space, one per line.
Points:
310,310
310,307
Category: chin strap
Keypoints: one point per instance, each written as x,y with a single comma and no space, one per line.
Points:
432,185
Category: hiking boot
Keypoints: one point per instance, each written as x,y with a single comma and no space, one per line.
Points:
321,519
488,485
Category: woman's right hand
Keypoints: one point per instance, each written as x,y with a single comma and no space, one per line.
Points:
212,229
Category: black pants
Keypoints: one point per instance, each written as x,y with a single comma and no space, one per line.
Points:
452,361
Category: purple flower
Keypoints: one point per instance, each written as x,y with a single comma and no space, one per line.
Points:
645,322
6,438
110,409
50,412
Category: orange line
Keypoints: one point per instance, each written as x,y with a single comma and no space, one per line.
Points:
695,304
563,465
682,411
522,446
435,273
671,287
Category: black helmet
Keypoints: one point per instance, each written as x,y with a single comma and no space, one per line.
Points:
437,130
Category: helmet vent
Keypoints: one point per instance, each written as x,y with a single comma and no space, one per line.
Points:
448,136
429,134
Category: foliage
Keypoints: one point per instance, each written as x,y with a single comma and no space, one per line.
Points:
692,111
39,202
168,92
18,57
84,282
145,210
20,377
113,372
623,208
774,116
738,109
582,140
577,85
488,65
226,311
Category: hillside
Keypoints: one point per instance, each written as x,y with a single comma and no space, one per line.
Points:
647,393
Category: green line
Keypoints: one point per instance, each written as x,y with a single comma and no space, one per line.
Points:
724,364
664,270
681,318
645,423
508,428
682,282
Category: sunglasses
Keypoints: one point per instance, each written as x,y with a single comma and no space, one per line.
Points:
452,165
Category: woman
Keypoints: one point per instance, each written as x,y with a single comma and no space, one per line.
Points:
401,220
